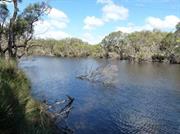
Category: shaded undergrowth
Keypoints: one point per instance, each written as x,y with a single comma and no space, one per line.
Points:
19,113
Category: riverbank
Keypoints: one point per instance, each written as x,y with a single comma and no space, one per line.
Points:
143,46
69,47
19,112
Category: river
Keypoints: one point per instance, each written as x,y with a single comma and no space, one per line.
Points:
145,99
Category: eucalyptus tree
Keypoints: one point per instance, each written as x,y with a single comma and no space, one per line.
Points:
178,27
115,42
20,26
4,12
171,41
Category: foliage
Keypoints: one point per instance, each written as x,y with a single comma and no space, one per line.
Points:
19,113
171,45
18,28
144,45
140,46
69,47
178,27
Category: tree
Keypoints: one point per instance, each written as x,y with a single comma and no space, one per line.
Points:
171,40
115,42
20,27
177,34
178,27
4,12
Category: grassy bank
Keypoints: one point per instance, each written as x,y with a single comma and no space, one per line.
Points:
19,112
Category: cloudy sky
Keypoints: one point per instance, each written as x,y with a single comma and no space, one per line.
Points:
91,20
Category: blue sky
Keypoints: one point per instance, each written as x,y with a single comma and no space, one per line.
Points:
91,20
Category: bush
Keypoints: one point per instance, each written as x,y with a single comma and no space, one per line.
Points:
19,113
158,58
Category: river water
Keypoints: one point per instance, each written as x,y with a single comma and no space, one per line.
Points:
145,99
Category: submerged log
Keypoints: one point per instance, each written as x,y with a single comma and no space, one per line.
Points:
105,74
58,116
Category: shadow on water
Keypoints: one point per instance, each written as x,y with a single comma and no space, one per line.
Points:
146,97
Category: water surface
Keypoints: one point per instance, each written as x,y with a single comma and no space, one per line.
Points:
145,98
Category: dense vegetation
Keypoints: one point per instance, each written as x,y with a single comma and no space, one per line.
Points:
17,27
16,40
140,46
19,113
144,46
69,47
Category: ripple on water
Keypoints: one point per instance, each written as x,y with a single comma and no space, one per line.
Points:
146,99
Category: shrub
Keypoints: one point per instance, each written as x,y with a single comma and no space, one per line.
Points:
19,113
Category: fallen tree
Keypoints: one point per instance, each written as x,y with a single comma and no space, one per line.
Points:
105,74
58,112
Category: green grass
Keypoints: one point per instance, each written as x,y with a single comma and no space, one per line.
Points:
19,112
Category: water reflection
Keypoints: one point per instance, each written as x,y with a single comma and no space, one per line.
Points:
146,98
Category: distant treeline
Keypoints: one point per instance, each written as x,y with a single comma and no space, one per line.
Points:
141,46
69,47
153,45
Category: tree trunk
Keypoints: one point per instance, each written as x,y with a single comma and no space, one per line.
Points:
1,50
2,53
11,32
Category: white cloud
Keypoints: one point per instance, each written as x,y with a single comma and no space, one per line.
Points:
54,35
132,28
92,39
52,26
105,1
114,12
168,23
59,15
92,22
110,12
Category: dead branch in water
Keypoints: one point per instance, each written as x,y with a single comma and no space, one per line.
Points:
105,74
58,116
